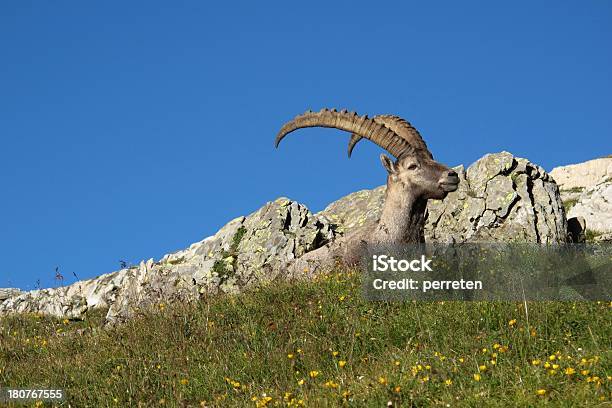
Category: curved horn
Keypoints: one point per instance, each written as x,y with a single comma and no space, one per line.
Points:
352,143
401,127
350,122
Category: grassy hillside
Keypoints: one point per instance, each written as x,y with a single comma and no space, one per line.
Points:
320,344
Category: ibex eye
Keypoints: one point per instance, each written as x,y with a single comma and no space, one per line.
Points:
412,167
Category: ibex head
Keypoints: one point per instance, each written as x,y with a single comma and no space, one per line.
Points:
415,173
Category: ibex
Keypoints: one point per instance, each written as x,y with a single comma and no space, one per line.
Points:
412,179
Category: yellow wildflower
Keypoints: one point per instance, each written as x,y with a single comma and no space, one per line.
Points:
341,363
476,377
263,401
594,379
541,392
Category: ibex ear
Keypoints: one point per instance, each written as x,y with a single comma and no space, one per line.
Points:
388,164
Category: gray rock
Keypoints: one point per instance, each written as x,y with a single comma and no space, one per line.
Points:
70,301
583,176
586,191
607,237
6,293
595,206
246,251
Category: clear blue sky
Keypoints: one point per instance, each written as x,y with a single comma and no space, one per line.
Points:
132,129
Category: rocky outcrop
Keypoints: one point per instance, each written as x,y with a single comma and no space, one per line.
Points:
500,198
586,191
246,251
69,301
595,206
6,293
583,176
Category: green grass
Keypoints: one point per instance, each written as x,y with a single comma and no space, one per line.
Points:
568,204
590,235
226,266
319,344
573,190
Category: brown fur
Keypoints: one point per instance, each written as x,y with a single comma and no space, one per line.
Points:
411,181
